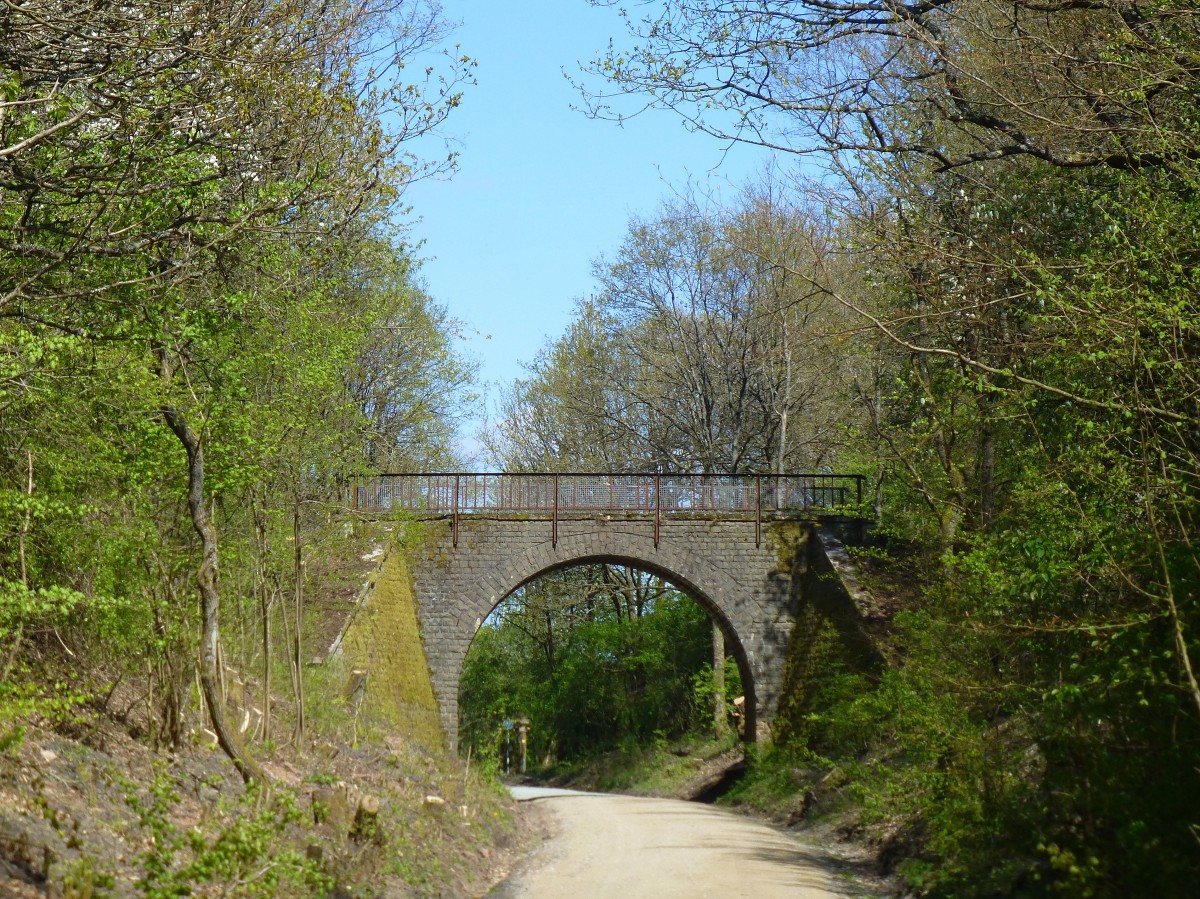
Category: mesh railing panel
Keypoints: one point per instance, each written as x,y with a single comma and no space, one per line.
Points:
566,493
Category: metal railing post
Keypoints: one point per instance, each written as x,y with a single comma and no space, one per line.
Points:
554,529
657,507
455,500
758,512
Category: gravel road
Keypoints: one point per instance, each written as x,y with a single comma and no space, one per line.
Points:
604,846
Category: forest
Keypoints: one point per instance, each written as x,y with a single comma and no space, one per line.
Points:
209,321
971,277
978,287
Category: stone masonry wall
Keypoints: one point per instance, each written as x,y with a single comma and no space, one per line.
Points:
381,658
750,591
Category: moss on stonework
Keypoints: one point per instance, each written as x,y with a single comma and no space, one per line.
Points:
829,653
789,539
384,641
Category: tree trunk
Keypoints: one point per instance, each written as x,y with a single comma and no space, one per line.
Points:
26,522
987,464
780,466
13,649
210,600
170,728
299,620
720,725
264,601
549,641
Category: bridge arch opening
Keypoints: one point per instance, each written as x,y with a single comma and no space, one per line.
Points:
594,642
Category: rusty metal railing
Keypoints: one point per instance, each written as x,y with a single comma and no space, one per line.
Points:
657,495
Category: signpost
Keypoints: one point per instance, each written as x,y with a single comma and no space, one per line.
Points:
521,726
507,724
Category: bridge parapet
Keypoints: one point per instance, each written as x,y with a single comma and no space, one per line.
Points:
555,495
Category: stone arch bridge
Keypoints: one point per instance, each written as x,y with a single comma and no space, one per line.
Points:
742,547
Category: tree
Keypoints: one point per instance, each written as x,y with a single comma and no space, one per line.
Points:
407,381
705,351
960,82
1019,184
171,179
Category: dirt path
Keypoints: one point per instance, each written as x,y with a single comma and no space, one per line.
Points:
625,847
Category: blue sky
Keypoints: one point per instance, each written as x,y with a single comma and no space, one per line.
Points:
542,190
